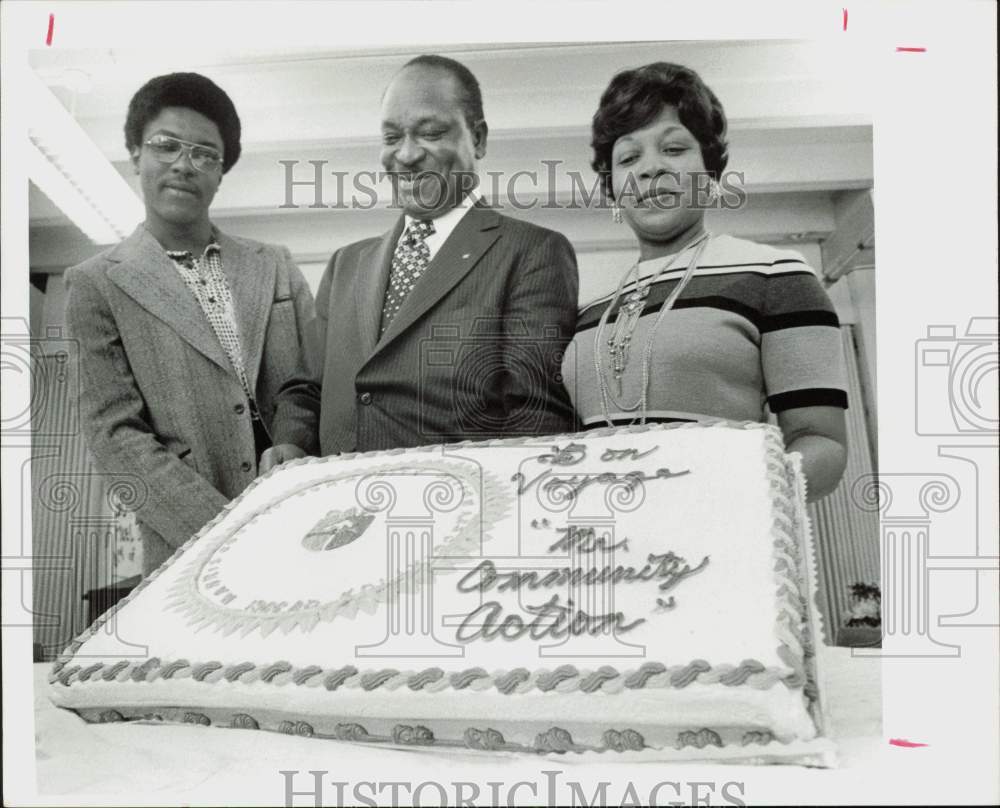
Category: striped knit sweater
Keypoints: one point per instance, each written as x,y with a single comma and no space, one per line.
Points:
753,329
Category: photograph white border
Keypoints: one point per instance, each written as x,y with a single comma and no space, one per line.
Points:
935,139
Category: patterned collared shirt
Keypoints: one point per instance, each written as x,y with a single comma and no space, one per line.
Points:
204,277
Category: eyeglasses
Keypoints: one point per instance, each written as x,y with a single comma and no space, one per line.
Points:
167,149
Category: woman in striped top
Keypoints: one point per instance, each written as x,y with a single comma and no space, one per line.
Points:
702,326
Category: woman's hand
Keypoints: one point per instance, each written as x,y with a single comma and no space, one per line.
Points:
819,434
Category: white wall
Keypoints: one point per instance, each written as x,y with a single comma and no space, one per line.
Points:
600,268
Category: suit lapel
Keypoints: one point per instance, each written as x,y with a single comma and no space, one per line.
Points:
470,239
251,278
374,266
143,271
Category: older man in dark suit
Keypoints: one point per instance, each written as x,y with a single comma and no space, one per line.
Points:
186,335
452,325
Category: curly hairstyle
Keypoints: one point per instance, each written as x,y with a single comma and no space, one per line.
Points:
192,91
635,98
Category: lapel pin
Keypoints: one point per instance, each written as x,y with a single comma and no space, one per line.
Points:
466,255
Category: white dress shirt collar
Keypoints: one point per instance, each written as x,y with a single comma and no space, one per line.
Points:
445,224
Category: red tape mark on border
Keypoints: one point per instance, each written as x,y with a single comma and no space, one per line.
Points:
901,49
905,744
845,19
52,25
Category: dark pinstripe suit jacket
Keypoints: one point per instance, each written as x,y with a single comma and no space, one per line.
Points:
473,353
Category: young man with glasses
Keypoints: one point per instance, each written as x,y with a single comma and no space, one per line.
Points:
186,334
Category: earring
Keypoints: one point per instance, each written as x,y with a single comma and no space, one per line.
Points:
714,191
616,212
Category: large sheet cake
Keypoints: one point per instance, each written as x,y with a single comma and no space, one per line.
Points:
644,590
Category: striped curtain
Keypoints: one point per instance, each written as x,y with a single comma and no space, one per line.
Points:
846,536
76,512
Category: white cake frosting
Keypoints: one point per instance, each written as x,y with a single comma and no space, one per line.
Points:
620,589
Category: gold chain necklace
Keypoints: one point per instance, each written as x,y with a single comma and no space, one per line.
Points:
627,320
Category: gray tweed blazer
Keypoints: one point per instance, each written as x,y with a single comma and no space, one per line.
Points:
159,397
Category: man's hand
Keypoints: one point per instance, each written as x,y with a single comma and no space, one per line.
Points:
277,455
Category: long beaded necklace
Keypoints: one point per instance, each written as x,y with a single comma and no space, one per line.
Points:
627,320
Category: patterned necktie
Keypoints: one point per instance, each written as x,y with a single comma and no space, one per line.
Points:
408,263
